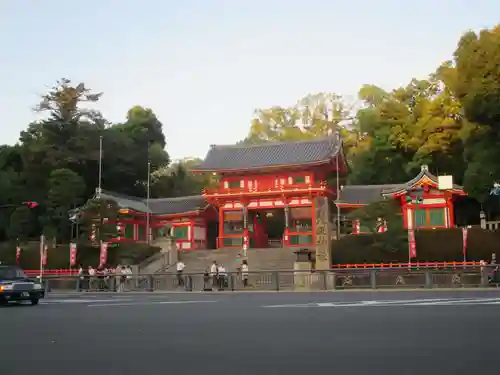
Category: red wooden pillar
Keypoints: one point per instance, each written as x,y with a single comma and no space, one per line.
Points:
220,240
246,237
286,233
404,208
136,231
451,210
191,234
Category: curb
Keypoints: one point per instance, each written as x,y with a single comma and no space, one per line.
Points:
73,293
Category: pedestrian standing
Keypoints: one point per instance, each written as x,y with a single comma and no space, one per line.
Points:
180,271
238,264
222,276
214,271
92,279
244,273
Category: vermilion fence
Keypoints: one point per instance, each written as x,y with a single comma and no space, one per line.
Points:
74,271
57,272
406,265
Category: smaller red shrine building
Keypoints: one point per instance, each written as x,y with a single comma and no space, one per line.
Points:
432,208
188,219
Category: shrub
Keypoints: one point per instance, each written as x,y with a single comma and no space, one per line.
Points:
438,245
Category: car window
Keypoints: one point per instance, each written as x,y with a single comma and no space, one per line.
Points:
7,273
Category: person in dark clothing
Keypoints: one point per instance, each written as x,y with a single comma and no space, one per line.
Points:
206,281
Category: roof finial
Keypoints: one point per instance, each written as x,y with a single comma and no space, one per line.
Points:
424,168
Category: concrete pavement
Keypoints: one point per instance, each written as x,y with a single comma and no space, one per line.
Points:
454,332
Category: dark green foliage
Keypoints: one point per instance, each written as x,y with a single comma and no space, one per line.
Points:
437,245
396,237
56,163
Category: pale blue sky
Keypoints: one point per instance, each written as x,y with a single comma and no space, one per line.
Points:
203,66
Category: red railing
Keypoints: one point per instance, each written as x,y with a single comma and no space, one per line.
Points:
315,186
406,265
54,272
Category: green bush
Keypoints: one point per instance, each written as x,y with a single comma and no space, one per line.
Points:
440,245
58,258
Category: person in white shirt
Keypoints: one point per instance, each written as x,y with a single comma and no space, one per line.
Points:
244,273
92,279
214,270
180,270
128,275
222,276
123,278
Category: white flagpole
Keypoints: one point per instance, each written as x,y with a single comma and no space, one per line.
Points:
338,186
148,196
100,168
42,249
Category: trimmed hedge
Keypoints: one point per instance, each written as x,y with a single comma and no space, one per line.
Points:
440,245
58,258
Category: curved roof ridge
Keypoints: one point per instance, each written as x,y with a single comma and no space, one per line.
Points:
243,157
275,143
186,197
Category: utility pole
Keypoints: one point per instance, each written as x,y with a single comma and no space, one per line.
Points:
148,197
99,184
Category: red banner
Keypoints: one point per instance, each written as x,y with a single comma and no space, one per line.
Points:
464,237
104,253
72,254
18,254
45,255
412,244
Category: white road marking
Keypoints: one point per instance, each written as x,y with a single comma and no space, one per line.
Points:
356,303
398,303
146,303
81,300
461,301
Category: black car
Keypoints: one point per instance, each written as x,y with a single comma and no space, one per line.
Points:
16,287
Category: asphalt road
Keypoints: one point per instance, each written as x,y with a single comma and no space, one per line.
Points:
254,333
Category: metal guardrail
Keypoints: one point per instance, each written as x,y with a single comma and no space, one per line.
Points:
418,265
285,280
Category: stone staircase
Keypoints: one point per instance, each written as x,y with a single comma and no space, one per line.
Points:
268,259
161,261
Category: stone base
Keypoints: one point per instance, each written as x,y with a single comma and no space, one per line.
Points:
301,278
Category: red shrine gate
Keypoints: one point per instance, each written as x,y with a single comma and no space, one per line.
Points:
266,194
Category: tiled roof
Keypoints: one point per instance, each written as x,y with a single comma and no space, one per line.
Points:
272,154
424,172
170,206
364,194
125,201
157,206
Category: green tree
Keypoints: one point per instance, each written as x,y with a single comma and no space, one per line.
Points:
127,149
312,116
65,192
475,77
477,60
22,224
396,237
176,180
